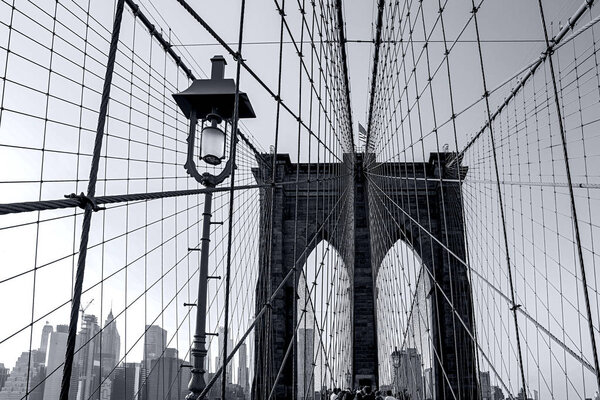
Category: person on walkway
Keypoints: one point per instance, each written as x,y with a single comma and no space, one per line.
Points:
388,395
335,394
365,394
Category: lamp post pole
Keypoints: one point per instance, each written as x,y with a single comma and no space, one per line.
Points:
215,100
199,351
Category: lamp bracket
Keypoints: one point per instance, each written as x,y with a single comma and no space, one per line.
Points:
214,117
206,179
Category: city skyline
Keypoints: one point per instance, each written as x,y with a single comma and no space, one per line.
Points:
362,179
99,368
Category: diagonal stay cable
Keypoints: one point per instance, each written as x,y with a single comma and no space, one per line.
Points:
268,304
483,278
550,48
243,63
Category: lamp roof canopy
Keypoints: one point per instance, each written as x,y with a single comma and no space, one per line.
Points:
209,95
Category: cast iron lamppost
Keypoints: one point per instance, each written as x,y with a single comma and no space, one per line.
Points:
396,364
212,101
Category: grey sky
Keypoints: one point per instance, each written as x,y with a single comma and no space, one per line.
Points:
511,34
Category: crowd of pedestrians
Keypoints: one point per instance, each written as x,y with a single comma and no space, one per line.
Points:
365,393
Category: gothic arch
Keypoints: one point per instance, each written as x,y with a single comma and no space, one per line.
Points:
325,300
362,215
428,216
300,216
403,289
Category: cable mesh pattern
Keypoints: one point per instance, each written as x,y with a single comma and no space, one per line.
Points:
454,148
141,271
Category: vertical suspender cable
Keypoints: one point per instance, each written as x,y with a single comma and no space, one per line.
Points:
89,204
514,306
380,5
233,148
572,200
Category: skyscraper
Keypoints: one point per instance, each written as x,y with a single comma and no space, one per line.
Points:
167,380
306,377
484,384
243,369
305,344
410,377
88,357
55,355
250,342
4,373
106,388
46,331
429,384
497,393
20,381
111,345
155,342
220,359
127,382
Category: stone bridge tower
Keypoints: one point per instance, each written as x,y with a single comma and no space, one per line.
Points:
338,203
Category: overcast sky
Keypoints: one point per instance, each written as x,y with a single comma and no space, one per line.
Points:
511,35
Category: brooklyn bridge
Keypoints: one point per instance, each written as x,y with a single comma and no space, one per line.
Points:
296,199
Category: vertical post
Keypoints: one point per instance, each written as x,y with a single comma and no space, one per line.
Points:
197,382
88,202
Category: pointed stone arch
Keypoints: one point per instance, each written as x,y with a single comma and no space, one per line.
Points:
325,298
349,204
405,324
428,216
299,217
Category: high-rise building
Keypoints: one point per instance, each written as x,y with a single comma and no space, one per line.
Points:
220,359
105,389
46,331
409,377
55,356
232,391
4,374
522,395
243,380
497,393
88,359
38,381
305,357
429,384
110,345
250,341
167,380
27,375
155,342
484,384
127,382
